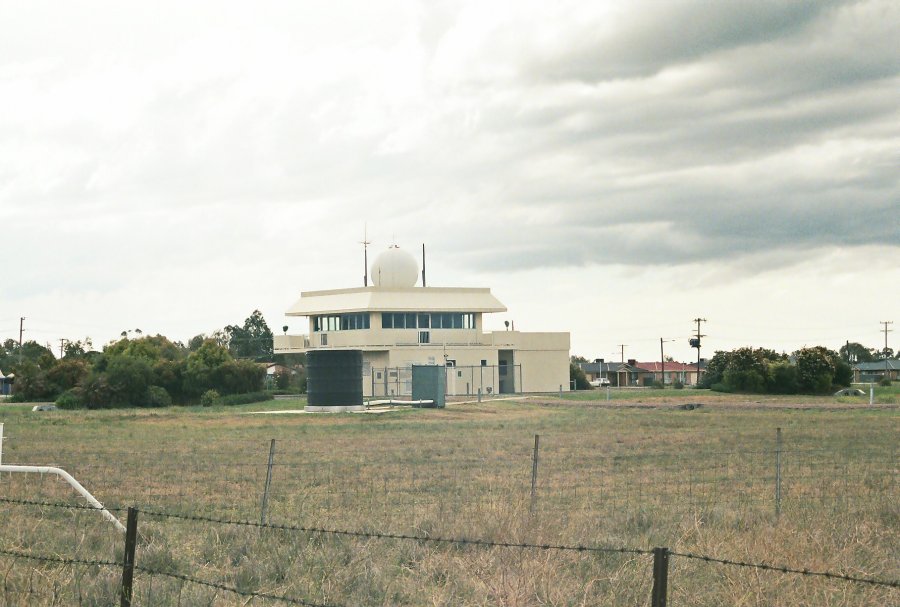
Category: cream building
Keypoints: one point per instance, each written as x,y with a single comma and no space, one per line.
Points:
397,325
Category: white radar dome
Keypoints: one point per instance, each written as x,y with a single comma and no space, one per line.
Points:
395,269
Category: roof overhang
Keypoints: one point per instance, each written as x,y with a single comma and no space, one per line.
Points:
413,299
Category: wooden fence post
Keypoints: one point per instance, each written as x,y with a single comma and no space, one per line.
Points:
534,470
265,498
128,560
660,577
778,472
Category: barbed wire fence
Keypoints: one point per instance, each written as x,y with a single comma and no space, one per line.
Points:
572,474
443,481
129,565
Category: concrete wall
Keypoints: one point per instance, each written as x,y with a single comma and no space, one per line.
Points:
540,361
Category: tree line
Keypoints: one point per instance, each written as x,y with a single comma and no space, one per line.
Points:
814,370
147,371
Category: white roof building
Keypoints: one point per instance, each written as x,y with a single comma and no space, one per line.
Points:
397,324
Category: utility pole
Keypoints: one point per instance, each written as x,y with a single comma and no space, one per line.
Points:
622,359
62,343
21,330
662,359
886,331
695,343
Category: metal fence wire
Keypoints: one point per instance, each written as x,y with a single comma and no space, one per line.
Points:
533,519
59,579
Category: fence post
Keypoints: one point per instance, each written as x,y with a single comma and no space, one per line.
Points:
660,577
534,471
778,472
265,498
128,559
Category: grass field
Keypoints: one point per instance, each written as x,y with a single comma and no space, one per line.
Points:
637,471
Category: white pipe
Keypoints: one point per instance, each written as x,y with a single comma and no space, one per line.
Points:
399,402
69,479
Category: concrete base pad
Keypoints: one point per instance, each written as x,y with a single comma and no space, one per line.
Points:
337,409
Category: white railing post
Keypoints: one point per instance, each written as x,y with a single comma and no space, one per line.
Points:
66,477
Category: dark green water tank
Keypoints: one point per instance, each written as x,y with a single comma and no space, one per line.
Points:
429,382
334,378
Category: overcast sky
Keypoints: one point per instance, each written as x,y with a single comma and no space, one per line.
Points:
612,169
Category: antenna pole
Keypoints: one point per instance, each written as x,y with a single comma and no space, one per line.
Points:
423,265
365,243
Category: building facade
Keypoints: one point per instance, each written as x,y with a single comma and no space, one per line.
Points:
397,324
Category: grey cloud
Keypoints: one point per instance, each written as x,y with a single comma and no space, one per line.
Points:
655,35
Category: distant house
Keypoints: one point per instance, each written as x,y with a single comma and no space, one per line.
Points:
633,373
273,368
875,371
668,374
600,369
5,384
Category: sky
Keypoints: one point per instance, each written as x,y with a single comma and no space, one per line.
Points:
611,169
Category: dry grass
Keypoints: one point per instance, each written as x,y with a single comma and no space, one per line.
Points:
699,481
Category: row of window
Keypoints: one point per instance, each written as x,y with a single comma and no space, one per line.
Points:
425,320
341,322
396,320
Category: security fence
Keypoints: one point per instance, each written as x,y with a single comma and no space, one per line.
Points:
461,380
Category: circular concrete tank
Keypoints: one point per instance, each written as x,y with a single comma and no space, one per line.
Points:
334,381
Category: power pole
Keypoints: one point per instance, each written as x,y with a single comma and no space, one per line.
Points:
622,359
886,331
62,343
662,359
695,343
21,330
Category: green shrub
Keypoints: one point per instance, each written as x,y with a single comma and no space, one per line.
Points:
210,398
157,397
745,380
244,399
98,394
678,385
577,375
72,398
720,387
783,378
282,379
885,382
128,379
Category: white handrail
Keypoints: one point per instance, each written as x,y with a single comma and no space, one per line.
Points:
74,483
66,477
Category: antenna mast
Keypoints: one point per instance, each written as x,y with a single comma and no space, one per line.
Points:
423,265
365,243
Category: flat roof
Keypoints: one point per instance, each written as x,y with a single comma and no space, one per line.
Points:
380,299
